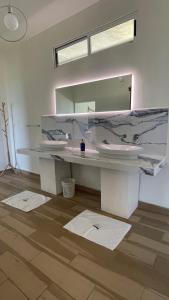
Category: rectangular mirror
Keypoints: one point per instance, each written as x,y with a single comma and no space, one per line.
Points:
97,96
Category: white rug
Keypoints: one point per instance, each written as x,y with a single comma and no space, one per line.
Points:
26,201
99,229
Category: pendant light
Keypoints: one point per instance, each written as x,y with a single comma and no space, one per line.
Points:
13,23
11,20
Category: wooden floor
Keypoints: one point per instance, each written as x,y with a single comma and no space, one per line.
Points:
41,260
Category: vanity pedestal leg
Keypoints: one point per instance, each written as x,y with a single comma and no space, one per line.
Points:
119,192
51,174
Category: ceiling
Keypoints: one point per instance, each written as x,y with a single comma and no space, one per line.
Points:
43,14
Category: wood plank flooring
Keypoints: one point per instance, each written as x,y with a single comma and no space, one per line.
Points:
41,260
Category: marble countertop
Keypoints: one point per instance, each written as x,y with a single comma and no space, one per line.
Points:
148,164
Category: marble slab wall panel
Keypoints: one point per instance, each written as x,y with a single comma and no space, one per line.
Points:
54,128
148,128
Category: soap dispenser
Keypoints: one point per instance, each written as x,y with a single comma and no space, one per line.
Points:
82,148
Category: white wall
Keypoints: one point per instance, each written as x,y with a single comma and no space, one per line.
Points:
2,99
31,77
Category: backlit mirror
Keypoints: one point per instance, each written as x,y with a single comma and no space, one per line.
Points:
97,96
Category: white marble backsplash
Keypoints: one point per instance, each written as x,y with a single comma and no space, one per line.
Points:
147,128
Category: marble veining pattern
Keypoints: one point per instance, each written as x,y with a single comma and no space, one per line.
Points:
147,128
148,164
153,164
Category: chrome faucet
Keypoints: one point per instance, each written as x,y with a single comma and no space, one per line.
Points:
68,136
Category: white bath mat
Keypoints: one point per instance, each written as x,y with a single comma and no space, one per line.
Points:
99,229
26,201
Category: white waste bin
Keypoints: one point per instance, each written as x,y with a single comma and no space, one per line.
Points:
68,185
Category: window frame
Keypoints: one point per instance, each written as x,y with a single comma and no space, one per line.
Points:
90,34
109,27
66,45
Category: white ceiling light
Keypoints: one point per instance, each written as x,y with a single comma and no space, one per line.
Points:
13,23
10,20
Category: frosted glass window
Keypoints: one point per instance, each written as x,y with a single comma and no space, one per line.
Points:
73,52
120,34
92,43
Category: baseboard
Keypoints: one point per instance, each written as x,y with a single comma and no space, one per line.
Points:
154,208
27,173
79,188
87,190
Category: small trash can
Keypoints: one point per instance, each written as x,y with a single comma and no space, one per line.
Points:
68,185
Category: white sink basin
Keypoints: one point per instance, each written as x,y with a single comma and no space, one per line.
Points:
48,145
118,151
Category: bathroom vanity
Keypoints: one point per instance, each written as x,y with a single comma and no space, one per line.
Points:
119,178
